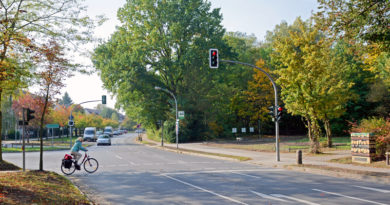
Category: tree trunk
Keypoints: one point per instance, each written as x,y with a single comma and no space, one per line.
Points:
1,126
41,130
328,132
313,136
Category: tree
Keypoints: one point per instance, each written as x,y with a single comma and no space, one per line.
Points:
25,25
162,43
311,79
60,115
53,69
66,100
358,20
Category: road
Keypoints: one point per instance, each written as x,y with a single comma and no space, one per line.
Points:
131,173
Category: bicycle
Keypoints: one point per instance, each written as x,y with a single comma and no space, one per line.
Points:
90,165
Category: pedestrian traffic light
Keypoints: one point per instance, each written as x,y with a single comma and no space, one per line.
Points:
104,101
271,111
30,114
279,113
213,58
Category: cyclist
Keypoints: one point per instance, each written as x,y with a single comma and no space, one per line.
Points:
75,151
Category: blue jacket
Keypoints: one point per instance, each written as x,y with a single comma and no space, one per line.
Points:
77,146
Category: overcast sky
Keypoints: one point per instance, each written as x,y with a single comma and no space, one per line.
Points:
247,16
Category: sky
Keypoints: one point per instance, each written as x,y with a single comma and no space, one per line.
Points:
247,16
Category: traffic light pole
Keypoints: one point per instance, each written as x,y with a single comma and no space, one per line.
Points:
276,102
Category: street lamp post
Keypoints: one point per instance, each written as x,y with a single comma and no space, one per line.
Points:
177,120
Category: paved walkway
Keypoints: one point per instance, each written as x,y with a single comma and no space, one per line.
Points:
321,162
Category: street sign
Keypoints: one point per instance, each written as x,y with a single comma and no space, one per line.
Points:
181,115
71,123
52,126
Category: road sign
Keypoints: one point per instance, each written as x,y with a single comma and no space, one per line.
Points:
181,115
71,123
52,126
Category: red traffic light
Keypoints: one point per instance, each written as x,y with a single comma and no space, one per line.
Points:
214,53
280,109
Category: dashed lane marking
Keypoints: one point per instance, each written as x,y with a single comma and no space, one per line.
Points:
119,157
267,196
205,190
374,189
294,199
350,197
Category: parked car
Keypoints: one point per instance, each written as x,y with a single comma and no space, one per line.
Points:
90,134
108,130
99,133
117,132
103,139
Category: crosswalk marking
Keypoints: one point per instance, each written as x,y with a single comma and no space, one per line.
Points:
205,190
350,197
374,189
294,199
267,196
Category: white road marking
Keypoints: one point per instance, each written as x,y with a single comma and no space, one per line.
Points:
374,189
267,197
350,197
205,190
294,199
224,171
247,175
119,157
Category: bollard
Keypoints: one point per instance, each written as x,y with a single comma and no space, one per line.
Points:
299,156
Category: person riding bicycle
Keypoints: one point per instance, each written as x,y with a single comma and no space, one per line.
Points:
75,151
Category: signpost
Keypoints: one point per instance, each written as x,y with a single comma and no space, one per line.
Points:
362,147
181,115
52,126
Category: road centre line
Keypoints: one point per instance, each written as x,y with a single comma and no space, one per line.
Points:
374,189
267,196
294,199
247,175
350,197
205,190
224,171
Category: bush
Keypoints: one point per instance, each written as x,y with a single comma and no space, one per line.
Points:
380,128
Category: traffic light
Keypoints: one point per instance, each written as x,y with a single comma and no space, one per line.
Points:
30,115
213,58
104,101
271,111
279,113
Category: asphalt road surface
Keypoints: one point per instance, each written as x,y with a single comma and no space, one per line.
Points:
131,173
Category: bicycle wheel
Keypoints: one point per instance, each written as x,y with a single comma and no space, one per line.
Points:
91,165
68,171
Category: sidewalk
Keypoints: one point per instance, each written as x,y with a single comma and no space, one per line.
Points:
318,164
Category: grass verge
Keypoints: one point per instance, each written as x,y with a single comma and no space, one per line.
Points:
348,160
213,154
33,149
38,187
343,170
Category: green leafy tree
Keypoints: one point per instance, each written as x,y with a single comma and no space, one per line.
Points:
357,20
162,43
310,77
25,25
66,100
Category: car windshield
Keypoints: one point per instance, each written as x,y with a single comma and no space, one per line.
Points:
89,132
107,130
103,136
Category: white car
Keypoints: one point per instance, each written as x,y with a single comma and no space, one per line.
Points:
103,140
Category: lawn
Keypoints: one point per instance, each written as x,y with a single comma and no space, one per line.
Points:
33,149
38,187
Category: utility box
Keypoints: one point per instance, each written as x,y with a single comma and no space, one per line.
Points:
362,147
